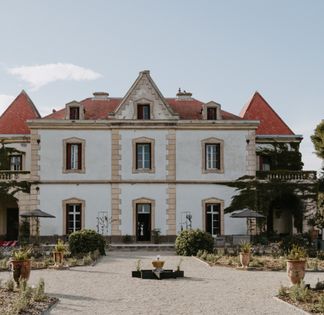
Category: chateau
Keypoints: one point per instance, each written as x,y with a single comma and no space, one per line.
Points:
131,165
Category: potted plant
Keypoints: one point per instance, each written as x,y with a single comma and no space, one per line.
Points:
156,236
179,273
21,264
245,254
296,263
138,266
58,253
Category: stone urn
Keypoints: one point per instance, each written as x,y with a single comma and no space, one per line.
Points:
158,264
20,269
245,259
296,270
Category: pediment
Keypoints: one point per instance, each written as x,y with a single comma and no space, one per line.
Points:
144,91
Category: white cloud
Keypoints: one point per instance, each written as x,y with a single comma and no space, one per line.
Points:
5,101
40,75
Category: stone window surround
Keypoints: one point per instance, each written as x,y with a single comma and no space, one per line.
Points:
74,140
211,105
74,104
213,200
143,101
72,200
143,140
143,200
212,140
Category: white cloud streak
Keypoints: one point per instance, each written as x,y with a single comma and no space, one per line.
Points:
5,101
40,75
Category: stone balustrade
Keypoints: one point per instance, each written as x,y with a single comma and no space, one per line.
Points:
14,175
286,175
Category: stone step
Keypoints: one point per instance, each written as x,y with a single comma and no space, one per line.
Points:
144,247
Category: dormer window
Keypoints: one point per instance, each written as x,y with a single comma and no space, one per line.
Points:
211,113
74,112
143,111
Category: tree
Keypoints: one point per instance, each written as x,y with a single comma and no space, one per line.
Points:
318,140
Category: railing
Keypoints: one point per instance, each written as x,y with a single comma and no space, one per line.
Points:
14,175
286,175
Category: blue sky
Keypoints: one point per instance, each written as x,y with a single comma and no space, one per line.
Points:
59,51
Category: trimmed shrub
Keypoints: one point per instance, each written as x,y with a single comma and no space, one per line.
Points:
85,241
189,242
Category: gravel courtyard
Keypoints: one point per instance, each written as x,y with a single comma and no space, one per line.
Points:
108,288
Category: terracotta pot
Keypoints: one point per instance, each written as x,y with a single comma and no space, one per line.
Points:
245,259
158,264
296,270
58,258
21,269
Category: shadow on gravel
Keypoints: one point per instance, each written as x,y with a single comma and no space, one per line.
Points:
74,297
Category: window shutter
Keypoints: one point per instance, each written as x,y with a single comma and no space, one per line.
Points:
218,156
139,111
79,156
150,155
68,156
67,219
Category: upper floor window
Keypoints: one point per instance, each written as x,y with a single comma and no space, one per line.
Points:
211,113
143,155
74,150
16,162
212,155
143,111
74,112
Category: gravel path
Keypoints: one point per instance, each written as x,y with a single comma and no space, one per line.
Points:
108,288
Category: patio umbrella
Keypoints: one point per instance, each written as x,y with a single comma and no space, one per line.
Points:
36,214
248,214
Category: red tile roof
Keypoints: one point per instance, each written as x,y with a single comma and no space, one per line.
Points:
190,109
270,121
13,120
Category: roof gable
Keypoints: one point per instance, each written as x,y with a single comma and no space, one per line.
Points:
13,120
270,122
144,90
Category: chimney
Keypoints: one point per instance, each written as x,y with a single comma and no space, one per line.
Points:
184,95
100,96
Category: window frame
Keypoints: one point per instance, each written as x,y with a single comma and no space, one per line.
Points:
71,111
204,144
208,201
69,202
21,162
142,106
70,105
135,143
81,153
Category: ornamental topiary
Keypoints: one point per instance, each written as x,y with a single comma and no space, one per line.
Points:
85,241
189,242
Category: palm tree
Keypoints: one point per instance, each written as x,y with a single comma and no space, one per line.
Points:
318,140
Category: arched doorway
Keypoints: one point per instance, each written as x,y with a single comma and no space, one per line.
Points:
9,218
285,214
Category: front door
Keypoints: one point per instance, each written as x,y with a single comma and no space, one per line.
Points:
143,222
12,224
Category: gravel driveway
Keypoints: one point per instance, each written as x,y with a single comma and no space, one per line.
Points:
108,288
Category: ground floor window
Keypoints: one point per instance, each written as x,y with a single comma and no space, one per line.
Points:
73,218
213,219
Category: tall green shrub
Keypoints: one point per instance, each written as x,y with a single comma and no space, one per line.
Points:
86,241
189,242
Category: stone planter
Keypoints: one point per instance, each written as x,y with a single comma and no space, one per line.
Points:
296,270
58,258
245,259
21,269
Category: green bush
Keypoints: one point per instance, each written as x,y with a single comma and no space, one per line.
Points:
189,242
85,241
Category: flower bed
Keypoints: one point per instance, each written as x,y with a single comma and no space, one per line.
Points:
25,300
264,262
309,299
